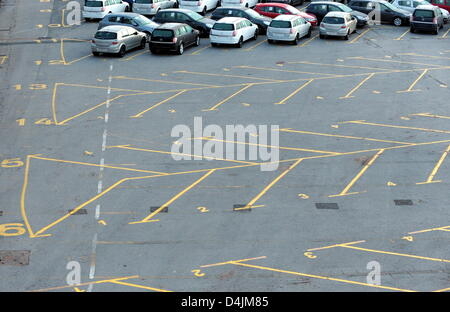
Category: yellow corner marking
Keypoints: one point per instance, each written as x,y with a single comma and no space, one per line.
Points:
229,97
231,261
255,45
436,168
402,35
362,122
349,94
359,36
410,89
138,115
139,286
337,245
87,283
283,101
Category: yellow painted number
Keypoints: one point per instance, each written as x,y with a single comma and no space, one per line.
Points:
38,86
44,121
198,273
11,229
11,163
202,209
408,238
310,255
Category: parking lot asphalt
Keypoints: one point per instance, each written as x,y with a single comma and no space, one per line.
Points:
364,127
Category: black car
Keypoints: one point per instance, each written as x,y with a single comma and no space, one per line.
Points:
250,14
321,8
189,17
388,13
130,2
173,37
290,2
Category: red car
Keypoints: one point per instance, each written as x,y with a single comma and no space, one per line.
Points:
444,4
274,9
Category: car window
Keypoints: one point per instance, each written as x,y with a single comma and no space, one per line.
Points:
144,1
405,3
333,20
188,28
280,10
333,8
223,26
105,35
280,24
93,4
424,13
321,8
182,17
165,33
126,20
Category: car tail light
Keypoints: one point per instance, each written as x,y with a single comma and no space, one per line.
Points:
241,1
93,41
114,42
199,3
174,40
234,33
411,18
343,27
435,20
103,9
292,30
153,5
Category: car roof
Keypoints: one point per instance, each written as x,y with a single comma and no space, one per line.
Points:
327,2
177,10
115,28
234,8
170,26
284,5
337,14
286,17
231,20
129,14
426,7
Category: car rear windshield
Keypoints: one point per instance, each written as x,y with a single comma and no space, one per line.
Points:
333,20
106,35
94,4
424,13
280,24
144,1
223,26
165,33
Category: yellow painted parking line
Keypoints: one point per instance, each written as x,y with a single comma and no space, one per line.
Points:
430,230
343,136
308,41
436,168
225,75
139,286
362,122
231,261
283,101
173,199
339,65
431,115
255,45
410,89
424,55
446,33
229,97
283,70
138,115
336,245
88,283
360,35
321,277
165,81
356,178
390,61
349,94
270,185
402,35
396,254
134,55
196,52
3,59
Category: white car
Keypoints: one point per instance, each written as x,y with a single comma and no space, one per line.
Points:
410,5
242,3
290,28
232,30
199,6
99,8
337,24
151,7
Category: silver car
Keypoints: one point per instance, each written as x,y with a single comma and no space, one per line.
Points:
117,40
339,24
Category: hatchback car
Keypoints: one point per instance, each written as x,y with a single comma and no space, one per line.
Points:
199,6
288,28
321,8
337,24
388,13
97,9
443,4
137,21
184,16
233,30
290,2
117,40
411,5
250,14
427,18
239,3
274,9
173,37
151,7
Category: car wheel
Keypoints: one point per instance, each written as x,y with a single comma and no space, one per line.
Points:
256,35
204,11
122,51
411,29
96,53
398,21
297,38
197,41
148,36
153,51
143,43
346,36
270,41
321,36
239,44
308,35
180,49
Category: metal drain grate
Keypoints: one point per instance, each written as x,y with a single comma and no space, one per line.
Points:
79,212
14,257
153,209
403,202
237,206
327,206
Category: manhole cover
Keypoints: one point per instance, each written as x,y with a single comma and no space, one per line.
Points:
79,212
238,207
153,209
14,257
403,202
327,206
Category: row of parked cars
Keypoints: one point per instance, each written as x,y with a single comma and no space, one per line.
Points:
174,29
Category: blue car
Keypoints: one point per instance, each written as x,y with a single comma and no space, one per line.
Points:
137,21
